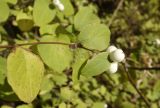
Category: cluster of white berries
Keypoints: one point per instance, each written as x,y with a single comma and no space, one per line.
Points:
115,55
59,4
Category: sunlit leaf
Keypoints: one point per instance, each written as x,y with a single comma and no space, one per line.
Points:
57,57
42,13
25,74
68,8
4,11
84,17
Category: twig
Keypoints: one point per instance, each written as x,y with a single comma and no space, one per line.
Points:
135,87
115,12
72,45
144,68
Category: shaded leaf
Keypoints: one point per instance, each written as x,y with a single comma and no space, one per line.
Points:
25,22
95,36
97,65
3,70
81,56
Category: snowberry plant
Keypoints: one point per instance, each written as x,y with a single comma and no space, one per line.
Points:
53,39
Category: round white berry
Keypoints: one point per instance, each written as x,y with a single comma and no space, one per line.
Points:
105,106
113,67
56,2
111,49
117,55
61,6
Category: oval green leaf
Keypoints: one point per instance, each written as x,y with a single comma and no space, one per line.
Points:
57,57
25,22
25,74
4,10
95,36
84,17
97,65
42,13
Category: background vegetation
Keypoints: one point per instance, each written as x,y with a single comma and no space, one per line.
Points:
134,27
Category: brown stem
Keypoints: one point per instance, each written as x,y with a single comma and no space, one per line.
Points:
36,43
135,87
115,12
144,68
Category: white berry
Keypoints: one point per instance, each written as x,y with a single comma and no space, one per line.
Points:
113,67
56,2
111,49
117,55
61,7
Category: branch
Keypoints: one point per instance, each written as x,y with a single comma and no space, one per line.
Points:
71,45
115,12
135,87
144,68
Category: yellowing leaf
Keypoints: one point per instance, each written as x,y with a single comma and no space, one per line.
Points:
25,73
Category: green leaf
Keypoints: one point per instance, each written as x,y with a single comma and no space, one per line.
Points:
95,36
97,65
81,56
68,8
84,17
127,105
47,85
42,13
62,105
25,74
3,70
57,57
98,105
25,106
4,10
48,29
67,93
11,1
60,79
25,22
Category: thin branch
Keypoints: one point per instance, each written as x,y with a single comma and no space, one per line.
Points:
72,45
135,87
144,68
115,12
34,43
